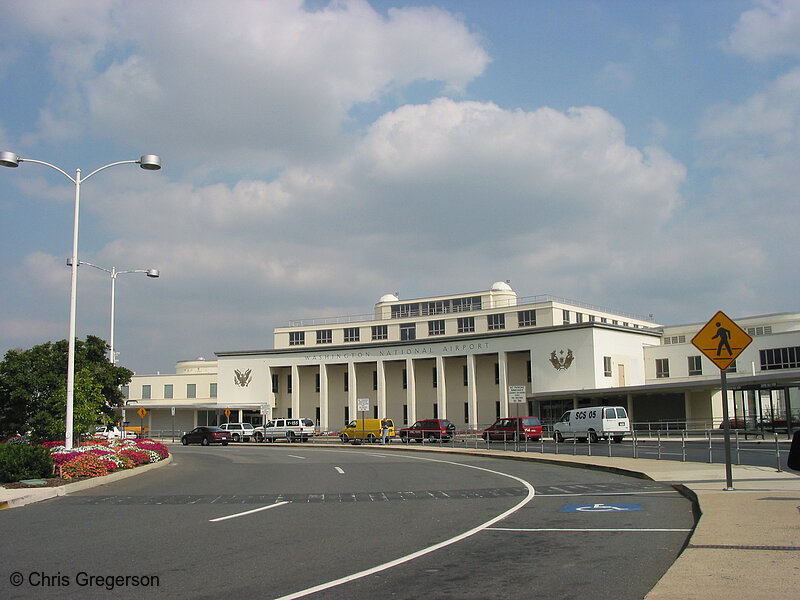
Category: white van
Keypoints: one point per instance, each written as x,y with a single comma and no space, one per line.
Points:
595,422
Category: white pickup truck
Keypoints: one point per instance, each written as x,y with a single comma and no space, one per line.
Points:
111,432
291,430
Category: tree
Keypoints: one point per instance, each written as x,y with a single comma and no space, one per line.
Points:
33,385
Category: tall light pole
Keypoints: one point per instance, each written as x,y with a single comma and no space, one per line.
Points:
149,162
154,273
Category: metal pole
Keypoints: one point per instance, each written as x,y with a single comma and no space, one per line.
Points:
777,453
73,301
727,430
111,335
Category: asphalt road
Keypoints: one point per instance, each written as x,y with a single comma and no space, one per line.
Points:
276,521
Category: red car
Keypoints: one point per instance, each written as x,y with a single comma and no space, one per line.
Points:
514,429
206,435
428,429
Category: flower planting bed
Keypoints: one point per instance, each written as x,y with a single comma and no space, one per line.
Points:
97,457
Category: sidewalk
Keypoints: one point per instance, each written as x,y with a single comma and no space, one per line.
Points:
746,543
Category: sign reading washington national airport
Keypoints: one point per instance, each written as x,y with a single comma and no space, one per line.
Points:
402,352
721,340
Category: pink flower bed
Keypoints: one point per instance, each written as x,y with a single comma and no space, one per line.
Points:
104,456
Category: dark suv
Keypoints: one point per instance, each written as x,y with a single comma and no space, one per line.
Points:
514,429
428,429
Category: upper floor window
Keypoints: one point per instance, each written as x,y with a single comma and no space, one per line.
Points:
436,327
695,365
324,336
146,392
607,366
674,339
297,338
380,332
565,317
352,334
662,368
464,304
405,310
168,391
212,391
408,331
497,322
466,324
779,358
526,318
191,390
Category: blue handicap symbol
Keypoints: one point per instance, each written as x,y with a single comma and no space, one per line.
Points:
600,507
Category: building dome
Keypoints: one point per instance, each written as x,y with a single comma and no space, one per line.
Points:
501,286
388,298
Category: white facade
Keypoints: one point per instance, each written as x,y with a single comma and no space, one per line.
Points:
455,357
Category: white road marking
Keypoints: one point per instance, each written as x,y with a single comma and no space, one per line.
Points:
440,545
586,529
249,512
294,456
339,469
631,493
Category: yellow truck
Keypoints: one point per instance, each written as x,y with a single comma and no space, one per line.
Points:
369,430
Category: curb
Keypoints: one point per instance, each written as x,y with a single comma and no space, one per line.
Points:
38,494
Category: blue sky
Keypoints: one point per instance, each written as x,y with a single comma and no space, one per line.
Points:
636,155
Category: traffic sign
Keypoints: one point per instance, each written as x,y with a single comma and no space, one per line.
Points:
142,412
362,404
721,340
227,413
516,394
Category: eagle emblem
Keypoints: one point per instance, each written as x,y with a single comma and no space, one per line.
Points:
241,379
562,362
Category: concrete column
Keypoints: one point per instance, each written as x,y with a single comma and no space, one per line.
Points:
270,399
352,390
472,392
411,391
381,390
441,388
502,365
323,397
295,391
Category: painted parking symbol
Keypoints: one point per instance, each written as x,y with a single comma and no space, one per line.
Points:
604,508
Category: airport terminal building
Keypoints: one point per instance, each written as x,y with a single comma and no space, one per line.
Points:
456,356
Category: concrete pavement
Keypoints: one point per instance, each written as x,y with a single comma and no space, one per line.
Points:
746,543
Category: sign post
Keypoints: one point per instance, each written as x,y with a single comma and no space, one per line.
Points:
721,341
516,395
142,412
363,406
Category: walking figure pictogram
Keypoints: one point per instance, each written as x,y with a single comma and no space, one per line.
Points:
723,335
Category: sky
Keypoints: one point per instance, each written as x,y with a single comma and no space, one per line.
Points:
638,155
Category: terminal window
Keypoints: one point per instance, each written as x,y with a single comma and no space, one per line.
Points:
297,338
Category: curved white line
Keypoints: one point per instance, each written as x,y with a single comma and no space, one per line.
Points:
413,555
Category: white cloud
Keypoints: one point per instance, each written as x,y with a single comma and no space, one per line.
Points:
770,29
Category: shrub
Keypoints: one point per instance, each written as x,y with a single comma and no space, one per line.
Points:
139,457
20,461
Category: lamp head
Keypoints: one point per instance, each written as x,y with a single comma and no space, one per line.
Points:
9,159
150,162
152,273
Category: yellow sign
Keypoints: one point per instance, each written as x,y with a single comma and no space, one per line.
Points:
227,412
721,340
142,412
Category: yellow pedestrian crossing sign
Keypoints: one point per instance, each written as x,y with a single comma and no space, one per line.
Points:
721,340
142,412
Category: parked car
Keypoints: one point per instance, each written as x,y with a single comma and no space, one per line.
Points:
206,435
594,423
517,429
110,432
368,430
290,430
432,430
239,431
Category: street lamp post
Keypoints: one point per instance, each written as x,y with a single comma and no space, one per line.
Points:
149,162
153,273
